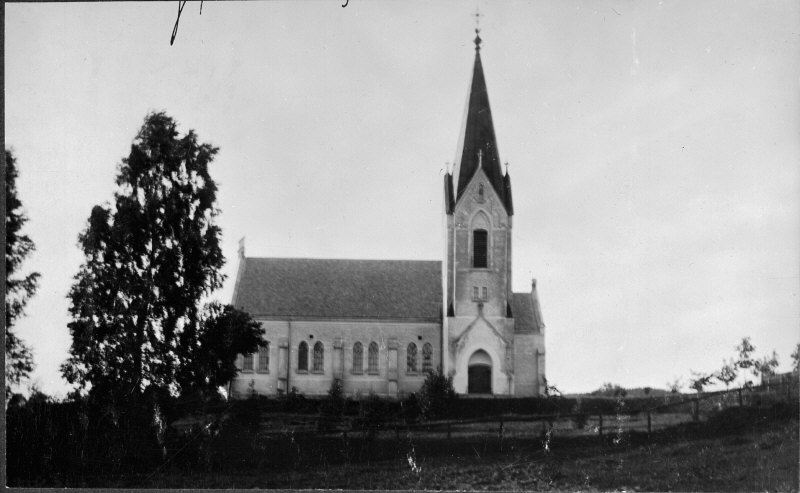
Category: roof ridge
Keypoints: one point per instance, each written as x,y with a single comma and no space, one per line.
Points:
344,259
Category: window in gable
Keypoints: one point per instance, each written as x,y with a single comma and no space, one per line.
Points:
480,239
372,358
302,356
411,358
319,357
358,357
263,359
427,358
247,363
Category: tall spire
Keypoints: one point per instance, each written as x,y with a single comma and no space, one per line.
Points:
478,145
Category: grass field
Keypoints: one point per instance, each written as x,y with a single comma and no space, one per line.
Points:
758,456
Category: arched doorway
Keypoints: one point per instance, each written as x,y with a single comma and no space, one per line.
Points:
479,373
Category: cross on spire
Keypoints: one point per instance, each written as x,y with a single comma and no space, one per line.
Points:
477,29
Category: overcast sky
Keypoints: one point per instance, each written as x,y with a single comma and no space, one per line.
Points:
653,149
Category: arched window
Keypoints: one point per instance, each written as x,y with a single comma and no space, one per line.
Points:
319,357
302,356
372,358
479,248
358,358
427,358
263,359
411,358
247,363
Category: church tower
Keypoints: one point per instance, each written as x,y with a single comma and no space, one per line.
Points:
493,339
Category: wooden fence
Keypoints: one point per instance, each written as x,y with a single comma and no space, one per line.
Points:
675,410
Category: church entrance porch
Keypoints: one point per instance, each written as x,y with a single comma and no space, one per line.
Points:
479,373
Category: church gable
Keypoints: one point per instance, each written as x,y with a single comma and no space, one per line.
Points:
480,329
479,197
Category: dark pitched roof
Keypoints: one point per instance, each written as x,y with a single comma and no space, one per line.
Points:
478,135
527,317
295,288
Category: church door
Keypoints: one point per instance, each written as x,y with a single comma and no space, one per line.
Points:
479,373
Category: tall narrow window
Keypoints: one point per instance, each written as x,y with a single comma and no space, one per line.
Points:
247,364
358,358
479,248
319,357
484,293
411,358
302,356
427,358
475,293
372,358
263,359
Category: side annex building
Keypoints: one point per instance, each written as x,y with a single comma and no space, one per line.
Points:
380,325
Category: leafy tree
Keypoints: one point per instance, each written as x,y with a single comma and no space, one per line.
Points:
745,350
226,333
728,373
609,389
675,385
19,289
796,359
765,366
550,390
699,381
149,259
745,361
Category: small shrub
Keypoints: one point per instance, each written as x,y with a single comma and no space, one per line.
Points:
293,401
373,413
247,412
436,395
410,408
332,409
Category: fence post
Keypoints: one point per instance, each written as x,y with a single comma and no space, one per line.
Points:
600,426
696,410
649,426
739,391
449,426
500,432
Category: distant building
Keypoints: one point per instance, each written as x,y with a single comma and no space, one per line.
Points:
780,378
381,325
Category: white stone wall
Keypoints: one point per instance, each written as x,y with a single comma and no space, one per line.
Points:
338,338
529,364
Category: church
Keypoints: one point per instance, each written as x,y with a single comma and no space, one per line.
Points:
379,326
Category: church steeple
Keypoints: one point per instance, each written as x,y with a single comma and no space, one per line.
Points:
478,145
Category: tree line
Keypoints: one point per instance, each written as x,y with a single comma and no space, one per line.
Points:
743,364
